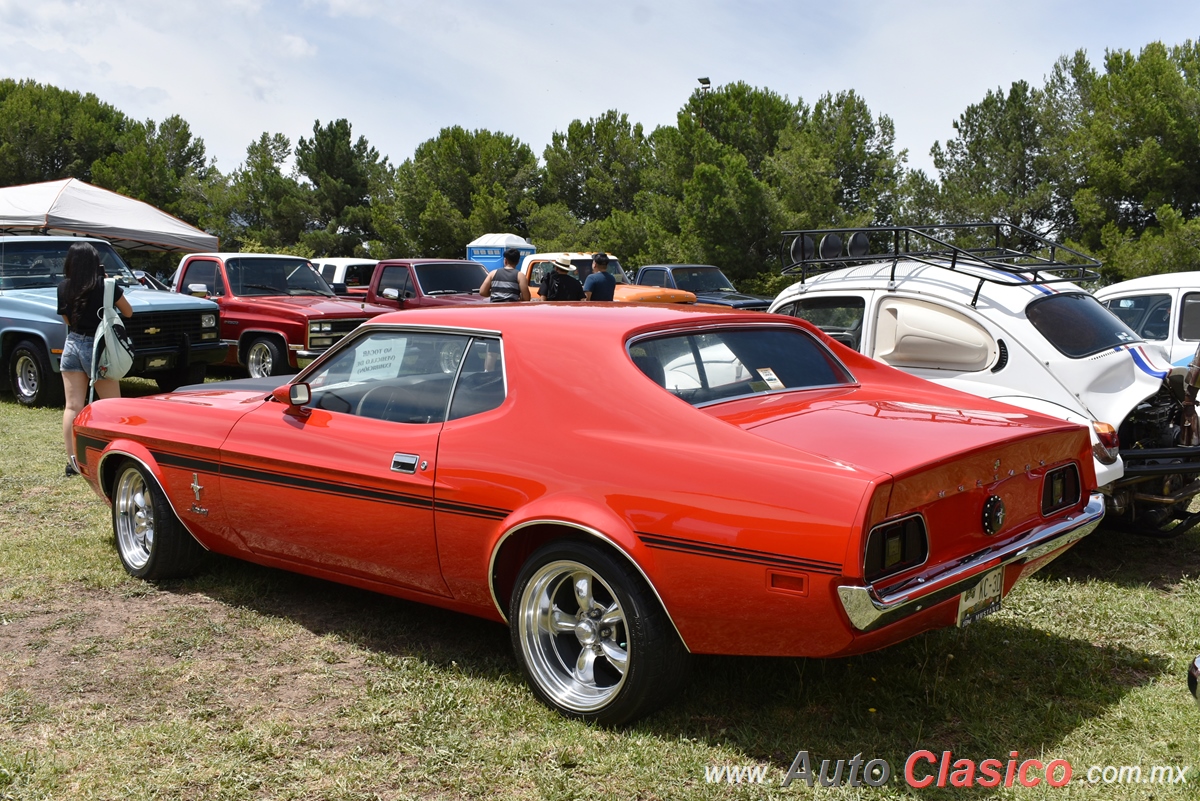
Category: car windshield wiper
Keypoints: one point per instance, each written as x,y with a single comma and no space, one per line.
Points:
450,291
300,289
273,289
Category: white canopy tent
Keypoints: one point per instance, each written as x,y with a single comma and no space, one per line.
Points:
73,208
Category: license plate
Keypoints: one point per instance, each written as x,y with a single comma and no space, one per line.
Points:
981,600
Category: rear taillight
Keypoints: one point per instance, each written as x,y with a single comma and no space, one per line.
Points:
1108,446
895,546
1060,489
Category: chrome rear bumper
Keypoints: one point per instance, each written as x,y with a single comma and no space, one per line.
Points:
869,610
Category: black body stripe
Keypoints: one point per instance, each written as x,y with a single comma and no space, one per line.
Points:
185,462
737,554
327,487
83,442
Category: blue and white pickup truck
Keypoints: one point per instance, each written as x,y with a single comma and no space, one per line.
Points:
176,336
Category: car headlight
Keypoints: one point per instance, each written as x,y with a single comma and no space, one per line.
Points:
316,328
208,321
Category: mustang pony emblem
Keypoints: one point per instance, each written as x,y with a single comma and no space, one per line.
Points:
197,487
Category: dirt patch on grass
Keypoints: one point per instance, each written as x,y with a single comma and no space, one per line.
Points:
154,657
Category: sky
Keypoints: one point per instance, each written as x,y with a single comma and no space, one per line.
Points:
400,70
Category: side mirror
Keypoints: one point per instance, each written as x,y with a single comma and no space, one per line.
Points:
339,289
391,293
294,395
197,290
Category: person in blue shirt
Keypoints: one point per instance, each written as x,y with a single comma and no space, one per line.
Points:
599,285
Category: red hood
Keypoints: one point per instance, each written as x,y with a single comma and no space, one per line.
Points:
462,299
315,306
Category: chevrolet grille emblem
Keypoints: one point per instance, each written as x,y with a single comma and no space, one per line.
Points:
152,331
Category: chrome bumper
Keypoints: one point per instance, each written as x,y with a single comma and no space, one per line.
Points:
868,610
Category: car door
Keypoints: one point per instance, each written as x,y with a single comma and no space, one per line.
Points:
348,485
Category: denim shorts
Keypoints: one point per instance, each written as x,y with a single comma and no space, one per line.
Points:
77,354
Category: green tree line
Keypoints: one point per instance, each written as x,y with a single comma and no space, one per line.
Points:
1105,158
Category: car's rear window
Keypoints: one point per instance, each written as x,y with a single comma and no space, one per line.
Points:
1077,325
716,365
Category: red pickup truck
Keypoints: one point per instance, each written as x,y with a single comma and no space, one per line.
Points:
277,313
413,283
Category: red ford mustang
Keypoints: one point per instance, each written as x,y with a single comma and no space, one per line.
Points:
622,484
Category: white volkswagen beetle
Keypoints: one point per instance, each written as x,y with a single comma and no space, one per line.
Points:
993,310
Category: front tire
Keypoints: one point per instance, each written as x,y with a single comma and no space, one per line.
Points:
34,382
151,541
591,637
265,358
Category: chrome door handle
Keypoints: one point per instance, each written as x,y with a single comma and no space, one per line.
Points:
405,462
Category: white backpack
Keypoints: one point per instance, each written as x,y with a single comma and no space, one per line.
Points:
112,353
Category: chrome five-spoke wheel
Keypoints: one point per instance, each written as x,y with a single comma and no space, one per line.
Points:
574,636
593,640
133,519
151,541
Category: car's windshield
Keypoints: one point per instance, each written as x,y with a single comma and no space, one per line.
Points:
583,268
359,274
450,278
702,279
1077,325
274,276
34,265
718,365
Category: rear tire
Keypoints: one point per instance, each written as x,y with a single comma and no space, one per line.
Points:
33,381
265,358
591,637
151,541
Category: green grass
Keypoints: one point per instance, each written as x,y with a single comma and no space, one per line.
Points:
250,683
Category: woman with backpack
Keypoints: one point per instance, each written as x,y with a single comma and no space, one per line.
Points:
81,302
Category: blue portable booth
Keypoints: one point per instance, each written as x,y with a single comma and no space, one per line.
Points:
489,249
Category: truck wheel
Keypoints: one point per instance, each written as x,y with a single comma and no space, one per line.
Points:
265,358
181,376
33,381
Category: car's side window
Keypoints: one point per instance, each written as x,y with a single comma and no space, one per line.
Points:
480,386
398,376
1189,317
397,278
1148,315
914,333
537,271
655,278
203,271
839,317
327,271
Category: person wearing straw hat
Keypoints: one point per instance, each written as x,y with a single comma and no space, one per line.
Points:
559,284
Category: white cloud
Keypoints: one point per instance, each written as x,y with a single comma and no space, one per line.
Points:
402,70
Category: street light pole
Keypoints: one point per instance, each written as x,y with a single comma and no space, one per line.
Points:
705,85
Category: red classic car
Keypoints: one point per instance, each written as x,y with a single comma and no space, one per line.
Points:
775,494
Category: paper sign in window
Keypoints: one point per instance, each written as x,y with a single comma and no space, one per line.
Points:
768,375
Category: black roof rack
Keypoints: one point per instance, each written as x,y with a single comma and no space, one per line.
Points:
1013,251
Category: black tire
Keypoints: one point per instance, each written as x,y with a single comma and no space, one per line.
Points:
552,633
33,381
151,542
264,357
181,376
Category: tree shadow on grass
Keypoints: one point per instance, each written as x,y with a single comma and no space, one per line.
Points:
1129,560
981,692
